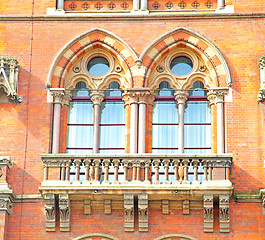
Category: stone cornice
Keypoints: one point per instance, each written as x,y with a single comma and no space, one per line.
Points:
128,16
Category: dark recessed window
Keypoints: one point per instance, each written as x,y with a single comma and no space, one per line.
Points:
98,66
181,65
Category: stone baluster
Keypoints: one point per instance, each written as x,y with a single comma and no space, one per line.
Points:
166,167
116,163
60,4
63,171
146,171
195,164
186,169
97,171
134,171
77,163
156,163
125,170
204,164
176,169
138,168
210,167
67,173
87,164
106,163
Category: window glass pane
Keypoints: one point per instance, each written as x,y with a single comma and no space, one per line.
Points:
111,137
80,113
98,66
164,90
197,112
165,112
165,136
79,136
112,113
197,89
181,65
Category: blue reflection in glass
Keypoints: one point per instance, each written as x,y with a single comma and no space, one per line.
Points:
181,65
98,66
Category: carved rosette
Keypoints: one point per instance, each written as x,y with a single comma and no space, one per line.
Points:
143,212
128,213
181,97
50,212
97,97
9,68
224,213
208,213
64,207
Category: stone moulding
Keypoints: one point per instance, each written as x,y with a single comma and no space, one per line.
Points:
9,68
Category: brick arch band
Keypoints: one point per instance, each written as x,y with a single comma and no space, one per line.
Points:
96,38
175,237
95,236
183,37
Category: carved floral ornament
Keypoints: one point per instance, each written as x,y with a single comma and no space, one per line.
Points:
9,68
261,64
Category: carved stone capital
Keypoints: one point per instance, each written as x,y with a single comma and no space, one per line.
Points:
64,207
146,97
50,212
261,63
130,97
224,213
67,98
97,97
216,96
128,213
6,204
143,212
58,95
181,97
208,213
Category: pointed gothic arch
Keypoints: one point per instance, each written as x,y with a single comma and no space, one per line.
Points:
78,47
183,38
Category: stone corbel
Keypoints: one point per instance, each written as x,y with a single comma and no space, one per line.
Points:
165,206
224,213
87,206
49,199
64,207
208,213
143,212
186,207
261,64
107,206
128,213
9,68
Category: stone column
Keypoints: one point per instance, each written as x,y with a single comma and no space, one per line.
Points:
145,98
58,97
221,4
130,97
60,4
136,5
217,97
97,97
143,5
181,97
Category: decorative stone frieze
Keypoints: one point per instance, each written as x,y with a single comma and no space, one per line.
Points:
107,206
128,213
208,213
224,213
49,199
186,207
9,68
6,204
181,97
165,206
143,212
64,207
97,97
261,64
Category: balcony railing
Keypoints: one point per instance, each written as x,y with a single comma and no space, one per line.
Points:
144,169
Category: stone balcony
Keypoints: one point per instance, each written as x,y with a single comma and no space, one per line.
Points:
159,181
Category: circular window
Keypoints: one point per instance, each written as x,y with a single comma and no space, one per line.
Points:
98,66
181,65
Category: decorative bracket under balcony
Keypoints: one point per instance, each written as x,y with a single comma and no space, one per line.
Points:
139,182
9,68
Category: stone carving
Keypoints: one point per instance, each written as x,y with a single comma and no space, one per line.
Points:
97,97
263,204
208,213
87,206
128,213
143,212
261,64
224,213
181,97
216,96
107,206
9,68
50,212
64,207
58,95
165,206
6,205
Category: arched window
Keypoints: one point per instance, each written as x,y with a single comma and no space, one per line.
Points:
197,121
165,121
